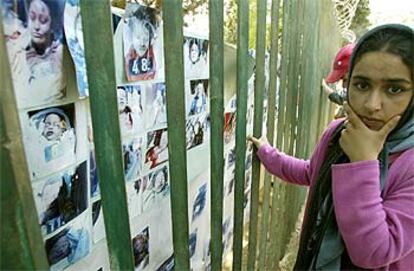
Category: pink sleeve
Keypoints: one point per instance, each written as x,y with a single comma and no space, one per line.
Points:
288,168
296,170
376,231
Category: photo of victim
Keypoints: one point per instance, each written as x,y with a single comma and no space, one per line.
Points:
132,153
197,130
157,148
131,114
140,248
197,100
155,188
34,39
156,106
141,25
70,244
61,198
196,58
50,139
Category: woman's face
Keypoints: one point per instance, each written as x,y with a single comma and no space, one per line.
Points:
381,87
140,37
53,127
194,53
39,22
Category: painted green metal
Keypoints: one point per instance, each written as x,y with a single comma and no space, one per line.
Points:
277,228
174,78
105,123
257,130
242,57
22,245
292,195
216,14
270,127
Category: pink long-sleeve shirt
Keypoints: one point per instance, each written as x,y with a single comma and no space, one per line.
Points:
377,227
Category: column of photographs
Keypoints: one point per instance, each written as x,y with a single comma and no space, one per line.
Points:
197,93
53,120
229,167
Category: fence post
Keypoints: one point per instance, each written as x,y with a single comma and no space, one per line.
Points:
104,109
257,129
241,103
270,127
216,10
174,78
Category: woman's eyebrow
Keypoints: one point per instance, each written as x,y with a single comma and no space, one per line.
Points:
388,80
360,77
398,80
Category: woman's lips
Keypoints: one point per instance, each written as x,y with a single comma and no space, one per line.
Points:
373,124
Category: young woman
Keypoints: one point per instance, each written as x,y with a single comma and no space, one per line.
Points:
360,212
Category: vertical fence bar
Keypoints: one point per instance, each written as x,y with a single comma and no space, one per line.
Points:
292,195
276,227
174,78
270,127
257,129
242,57
216,23
22,246
97,26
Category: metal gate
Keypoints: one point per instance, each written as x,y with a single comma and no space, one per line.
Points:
307,43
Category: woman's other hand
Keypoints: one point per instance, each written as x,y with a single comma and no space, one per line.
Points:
361,143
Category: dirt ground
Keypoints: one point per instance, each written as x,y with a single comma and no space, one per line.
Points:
287,262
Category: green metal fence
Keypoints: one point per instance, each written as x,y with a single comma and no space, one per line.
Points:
293,125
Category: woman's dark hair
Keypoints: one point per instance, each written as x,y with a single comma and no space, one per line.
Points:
391,40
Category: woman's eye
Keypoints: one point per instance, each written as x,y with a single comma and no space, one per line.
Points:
395,90
361,86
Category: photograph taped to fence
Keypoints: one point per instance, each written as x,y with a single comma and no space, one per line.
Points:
131,114
134,192
140,248
157,148
155,105
196,58
197,100
229,127
155,189
34,38
168,265
199,201
132,152
70,244
74,38
51,139
197,130
141,25
97,222
61,197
